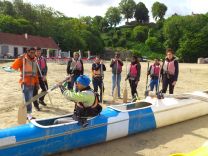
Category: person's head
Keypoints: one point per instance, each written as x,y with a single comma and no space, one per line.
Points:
97,59
76,55
134,59
38,51
169,53
117,55
31,53
156,61
82,82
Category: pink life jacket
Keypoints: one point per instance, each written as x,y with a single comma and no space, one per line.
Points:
117,68
76,65
169,67
42,63
133,70
155,70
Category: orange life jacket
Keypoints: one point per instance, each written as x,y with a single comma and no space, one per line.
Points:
30,67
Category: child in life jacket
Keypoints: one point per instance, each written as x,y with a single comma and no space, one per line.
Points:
154,72
134,75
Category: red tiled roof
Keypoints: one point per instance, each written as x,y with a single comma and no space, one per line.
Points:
31,41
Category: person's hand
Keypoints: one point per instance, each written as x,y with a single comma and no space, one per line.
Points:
44,78
68,77
174,83
101,62
136,82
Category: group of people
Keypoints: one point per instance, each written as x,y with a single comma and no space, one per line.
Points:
34,69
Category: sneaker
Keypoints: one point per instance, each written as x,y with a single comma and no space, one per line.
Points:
42,103
30,117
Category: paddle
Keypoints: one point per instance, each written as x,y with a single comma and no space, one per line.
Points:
36,97
159,96
146,91
22,112
115,91
125,93
102,74
44,82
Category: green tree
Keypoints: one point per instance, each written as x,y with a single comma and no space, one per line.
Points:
127,8
154,44
7,8
158,10
113,16
141,13
140,33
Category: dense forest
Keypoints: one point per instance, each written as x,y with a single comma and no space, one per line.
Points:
187,35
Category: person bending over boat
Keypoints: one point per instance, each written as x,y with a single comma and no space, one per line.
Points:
86,102
169,72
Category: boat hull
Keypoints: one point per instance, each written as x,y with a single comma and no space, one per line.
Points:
41,137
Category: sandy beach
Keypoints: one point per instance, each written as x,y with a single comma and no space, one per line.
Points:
182,137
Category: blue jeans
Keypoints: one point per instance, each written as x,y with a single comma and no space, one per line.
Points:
28,94
153,83
118,83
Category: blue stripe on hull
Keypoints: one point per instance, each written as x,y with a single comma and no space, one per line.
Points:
141,120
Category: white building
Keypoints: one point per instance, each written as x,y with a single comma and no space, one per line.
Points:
13,45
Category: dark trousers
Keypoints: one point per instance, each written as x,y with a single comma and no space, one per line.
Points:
71,83
98,83
167,82
133,86
44,87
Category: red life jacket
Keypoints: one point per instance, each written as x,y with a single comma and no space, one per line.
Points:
42,63
117,68
133,70
169,67
155,70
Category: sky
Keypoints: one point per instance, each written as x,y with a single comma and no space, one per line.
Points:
78,8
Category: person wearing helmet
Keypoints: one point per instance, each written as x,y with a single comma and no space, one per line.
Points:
86,101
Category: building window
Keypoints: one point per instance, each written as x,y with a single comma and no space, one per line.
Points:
24,50
15,52
4,51
44,52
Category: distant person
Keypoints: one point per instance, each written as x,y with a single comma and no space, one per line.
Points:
29,76
98,69
42,64
75,68
170,70
116,65
86,102
154,72
134,75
